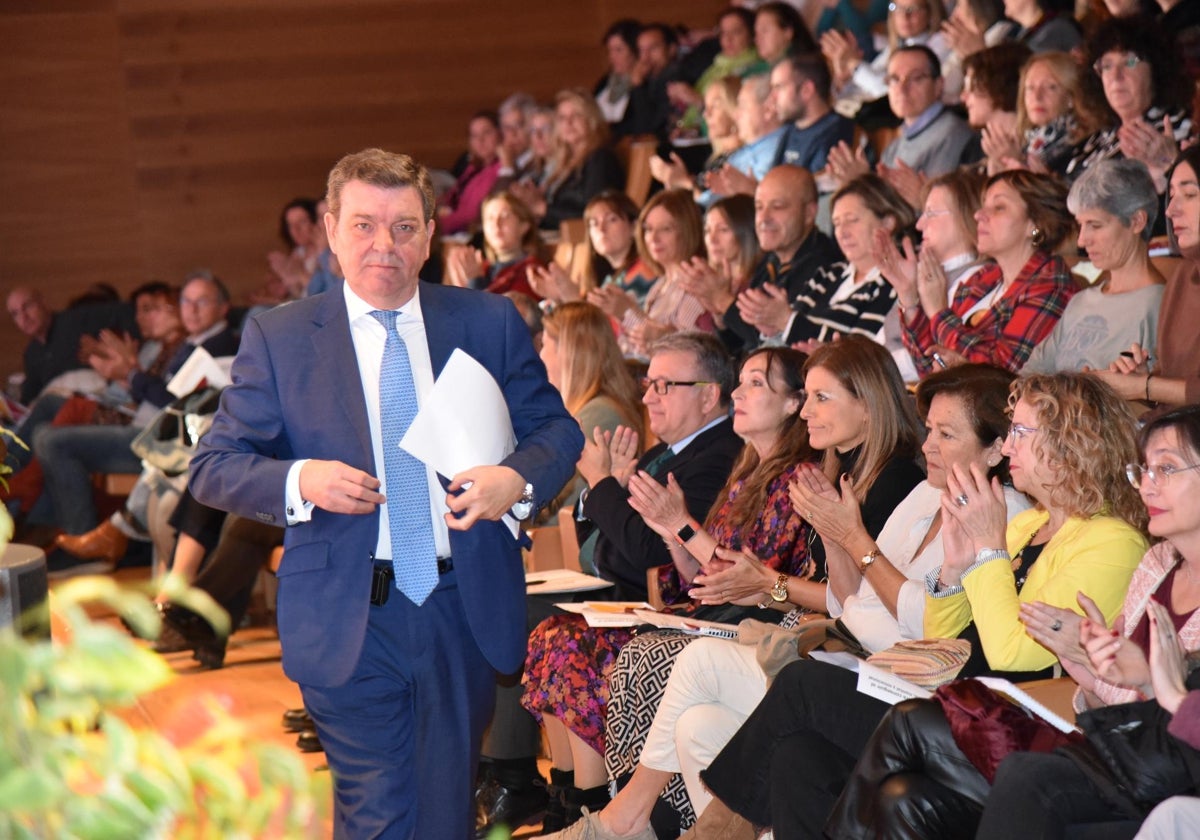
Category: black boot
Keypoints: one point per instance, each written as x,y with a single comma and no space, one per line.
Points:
555,818
207,647
593,798
510,792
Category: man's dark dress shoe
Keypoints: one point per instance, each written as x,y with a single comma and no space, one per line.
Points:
297,720
308,742
508,806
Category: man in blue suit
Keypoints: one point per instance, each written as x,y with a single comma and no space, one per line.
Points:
399,683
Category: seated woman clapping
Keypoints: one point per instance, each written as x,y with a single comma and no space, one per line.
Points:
732,255
669,233
948,234
1110,667
1067,446
567,669
510,243
1115,206
612,255
1168,372
715,684
1001,312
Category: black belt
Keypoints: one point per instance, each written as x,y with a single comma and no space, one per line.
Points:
383,581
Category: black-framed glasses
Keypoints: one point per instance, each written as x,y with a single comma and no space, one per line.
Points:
1159,474
663,386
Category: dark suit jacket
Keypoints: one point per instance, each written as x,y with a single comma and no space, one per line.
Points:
297,393
627,546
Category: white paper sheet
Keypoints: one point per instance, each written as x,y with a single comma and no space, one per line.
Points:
607,613
463,423
200,367
550,581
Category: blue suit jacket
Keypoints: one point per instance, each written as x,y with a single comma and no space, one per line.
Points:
297,393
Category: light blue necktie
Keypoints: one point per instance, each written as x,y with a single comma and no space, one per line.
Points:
414,554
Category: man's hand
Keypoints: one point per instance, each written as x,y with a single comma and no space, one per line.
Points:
846,164
765,308
729,180
492,492
595,462
905,180
339,488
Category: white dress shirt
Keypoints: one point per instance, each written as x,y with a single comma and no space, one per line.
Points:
369,337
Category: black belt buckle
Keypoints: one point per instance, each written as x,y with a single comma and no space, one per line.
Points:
382,581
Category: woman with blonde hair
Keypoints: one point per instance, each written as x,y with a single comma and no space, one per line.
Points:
720,115
1051,118
582,165
585,364
669,232
1067,446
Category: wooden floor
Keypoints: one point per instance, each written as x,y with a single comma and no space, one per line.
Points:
252,683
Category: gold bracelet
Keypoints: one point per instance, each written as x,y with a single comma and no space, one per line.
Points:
1149,376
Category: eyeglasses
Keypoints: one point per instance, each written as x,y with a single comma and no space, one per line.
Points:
1018,432
1104,66
663,386
933,214
914,79
1159,474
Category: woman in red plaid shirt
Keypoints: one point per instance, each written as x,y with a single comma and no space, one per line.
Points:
1002,312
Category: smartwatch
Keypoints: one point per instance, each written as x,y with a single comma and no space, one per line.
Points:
685,533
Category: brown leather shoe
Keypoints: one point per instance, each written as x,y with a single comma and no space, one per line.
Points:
105,542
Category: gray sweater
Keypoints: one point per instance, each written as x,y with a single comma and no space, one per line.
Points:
1095,328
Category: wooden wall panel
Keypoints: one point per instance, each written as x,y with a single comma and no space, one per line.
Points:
142,138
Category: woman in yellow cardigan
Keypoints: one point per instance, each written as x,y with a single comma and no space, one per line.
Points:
1070,438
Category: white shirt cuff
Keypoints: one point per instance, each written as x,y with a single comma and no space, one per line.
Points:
294,505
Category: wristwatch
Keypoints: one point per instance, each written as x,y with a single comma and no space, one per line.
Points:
685,533
867,560
524,506
779,591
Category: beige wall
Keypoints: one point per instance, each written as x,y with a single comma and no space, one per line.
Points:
142,138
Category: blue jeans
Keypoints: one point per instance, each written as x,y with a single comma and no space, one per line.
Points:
69,456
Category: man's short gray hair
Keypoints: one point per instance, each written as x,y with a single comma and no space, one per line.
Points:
1118,187
519,101
760,84
712,359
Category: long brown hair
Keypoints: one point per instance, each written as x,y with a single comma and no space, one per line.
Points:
869,373
591,364
785,375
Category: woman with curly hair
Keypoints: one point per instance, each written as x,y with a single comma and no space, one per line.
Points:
1067,447
1164,580
1003,311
